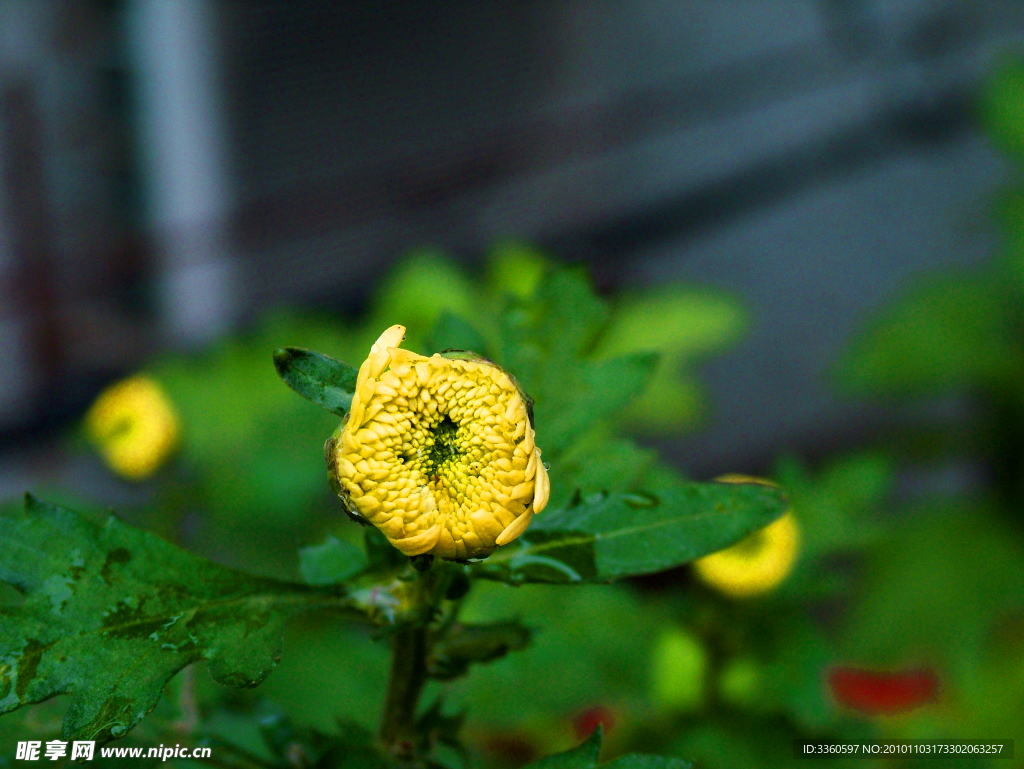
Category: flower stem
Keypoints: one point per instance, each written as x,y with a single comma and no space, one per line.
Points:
408,675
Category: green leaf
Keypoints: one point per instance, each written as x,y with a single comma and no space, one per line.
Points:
583,756
515,268
958,560
672,402
952,333
1002,107
317,377
112,612
637,761
462,645
600,391
546,344
418,290
381,554
599,463
453,333
841,507
605,537
679,321
331,561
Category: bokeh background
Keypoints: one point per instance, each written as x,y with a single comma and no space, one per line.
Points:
185,185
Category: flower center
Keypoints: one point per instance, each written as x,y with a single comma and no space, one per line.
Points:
445,448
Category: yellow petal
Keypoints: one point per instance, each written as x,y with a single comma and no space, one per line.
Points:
522,491
479,489
421,543
514,529
543,485
400,355
528,444
379,357
531,466
486,525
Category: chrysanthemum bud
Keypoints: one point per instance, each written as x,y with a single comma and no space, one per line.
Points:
438,453
134,426
757,563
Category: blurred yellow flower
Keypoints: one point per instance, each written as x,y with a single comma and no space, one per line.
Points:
759,562
134,426
438,453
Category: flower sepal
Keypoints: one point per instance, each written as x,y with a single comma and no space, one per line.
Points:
330,447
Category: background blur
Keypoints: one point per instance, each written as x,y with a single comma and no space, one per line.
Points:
175,172
170,170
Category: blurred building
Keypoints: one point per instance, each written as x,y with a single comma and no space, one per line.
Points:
170,168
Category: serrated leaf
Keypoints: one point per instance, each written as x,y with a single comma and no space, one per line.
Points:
317,377
331,562
112,612
605,537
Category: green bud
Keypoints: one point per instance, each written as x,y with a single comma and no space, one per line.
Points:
678,669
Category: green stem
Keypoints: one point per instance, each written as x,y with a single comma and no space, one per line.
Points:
409,652
408,676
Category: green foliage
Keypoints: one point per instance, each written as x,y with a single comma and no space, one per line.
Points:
418,292
610,536
515,269
546,343
251,454
331,562
317,377
578,657
632,359
111,613
586,757
682,325
461,644
959,562
679,670
1002,107
453,333
938,578
953,334
252,458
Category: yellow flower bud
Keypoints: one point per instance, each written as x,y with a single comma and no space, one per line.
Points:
437,453
134,426
759,562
